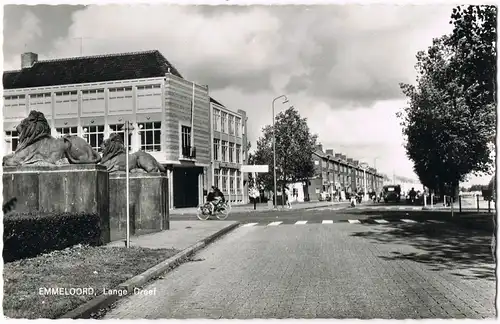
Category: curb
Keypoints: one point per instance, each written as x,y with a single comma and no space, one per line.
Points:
329,205
85,311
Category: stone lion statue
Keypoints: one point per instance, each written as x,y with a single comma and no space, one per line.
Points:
113,158
38,147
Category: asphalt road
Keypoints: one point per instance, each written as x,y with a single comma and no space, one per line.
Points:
393,270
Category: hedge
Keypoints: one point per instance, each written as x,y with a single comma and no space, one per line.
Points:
28,234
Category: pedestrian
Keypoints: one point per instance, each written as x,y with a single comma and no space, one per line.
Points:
287,193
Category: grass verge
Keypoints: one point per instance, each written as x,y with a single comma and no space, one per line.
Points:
94,268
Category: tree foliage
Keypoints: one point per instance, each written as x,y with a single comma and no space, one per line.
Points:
449,124
294,147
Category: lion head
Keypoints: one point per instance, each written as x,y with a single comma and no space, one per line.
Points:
112,147
32,129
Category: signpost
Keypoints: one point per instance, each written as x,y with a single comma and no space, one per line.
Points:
254,192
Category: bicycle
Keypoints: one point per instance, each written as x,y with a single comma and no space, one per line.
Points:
221,211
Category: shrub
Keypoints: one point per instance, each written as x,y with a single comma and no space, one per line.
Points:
28,234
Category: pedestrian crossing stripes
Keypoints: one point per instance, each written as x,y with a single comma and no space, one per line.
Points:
275,223
367,221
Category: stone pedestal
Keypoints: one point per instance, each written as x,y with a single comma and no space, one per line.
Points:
148,204
82,188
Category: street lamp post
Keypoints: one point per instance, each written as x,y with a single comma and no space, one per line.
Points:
127,128
285,100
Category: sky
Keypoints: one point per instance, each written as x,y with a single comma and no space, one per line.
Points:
339,65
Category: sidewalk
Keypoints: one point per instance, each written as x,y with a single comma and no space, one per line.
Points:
264,207
181,235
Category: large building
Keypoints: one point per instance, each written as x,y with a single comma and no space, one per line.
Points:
172,117
335,172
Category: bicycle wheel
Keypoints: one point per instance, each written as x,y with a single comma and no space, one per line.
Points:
223,212
203,212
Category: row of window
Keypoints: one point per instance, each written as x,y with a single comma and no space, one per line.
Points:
342,168
149,134
221,151
228,124
90,91
228,180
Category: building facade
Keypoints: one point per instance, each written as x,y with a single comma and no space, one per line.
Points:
335,173
229,152
93,96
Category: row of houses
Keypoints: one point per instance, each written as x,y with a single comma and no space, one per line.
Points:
200,141
334,174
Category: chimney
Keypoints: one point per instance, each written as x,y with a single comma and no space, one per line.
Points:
343,157
349,160
319,147
356,162
28,59
329,152
338,155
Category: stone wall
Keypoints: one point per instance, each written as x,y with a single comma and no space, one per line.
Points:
70,188
148,204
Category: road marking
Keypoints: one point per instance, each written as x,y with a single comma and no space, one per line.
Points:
408,221
354,221
387,207
381,221
400,208
250,224
327,222
416,208
435,221
274,223
300,222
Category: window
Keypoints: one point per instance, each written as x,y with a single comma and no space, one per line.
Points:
224,122
120,99
238,153
231,182
14,107
94,135
231,152
237,127
224,151
150,134
148,96
216,149
238,182
11,141
224,180
41,102
118,128
217,120
93,100
242,128
231,125
216,178
18,101
66,103
186,141
61,131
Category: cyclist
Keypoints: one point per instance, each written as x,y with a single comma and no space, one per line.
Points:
215,197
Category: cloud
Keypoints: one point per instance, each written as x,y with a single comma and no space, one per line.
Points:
24,33
340,66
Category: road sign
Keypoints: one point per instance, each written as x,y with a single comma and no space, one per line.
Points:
255,168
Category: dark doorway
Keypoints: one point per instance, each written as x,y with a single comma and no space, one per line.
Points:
185,187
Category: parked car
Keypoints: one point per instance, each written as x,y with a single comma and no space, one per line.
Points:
392,193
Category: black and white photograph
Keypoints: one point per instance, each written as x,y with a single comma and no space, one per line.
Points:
257,160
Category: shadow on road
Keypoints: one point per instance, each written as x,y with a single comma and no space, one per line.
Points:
464,252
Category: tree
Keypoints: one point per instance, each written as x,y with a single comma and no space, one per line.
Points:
450,120
294,147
